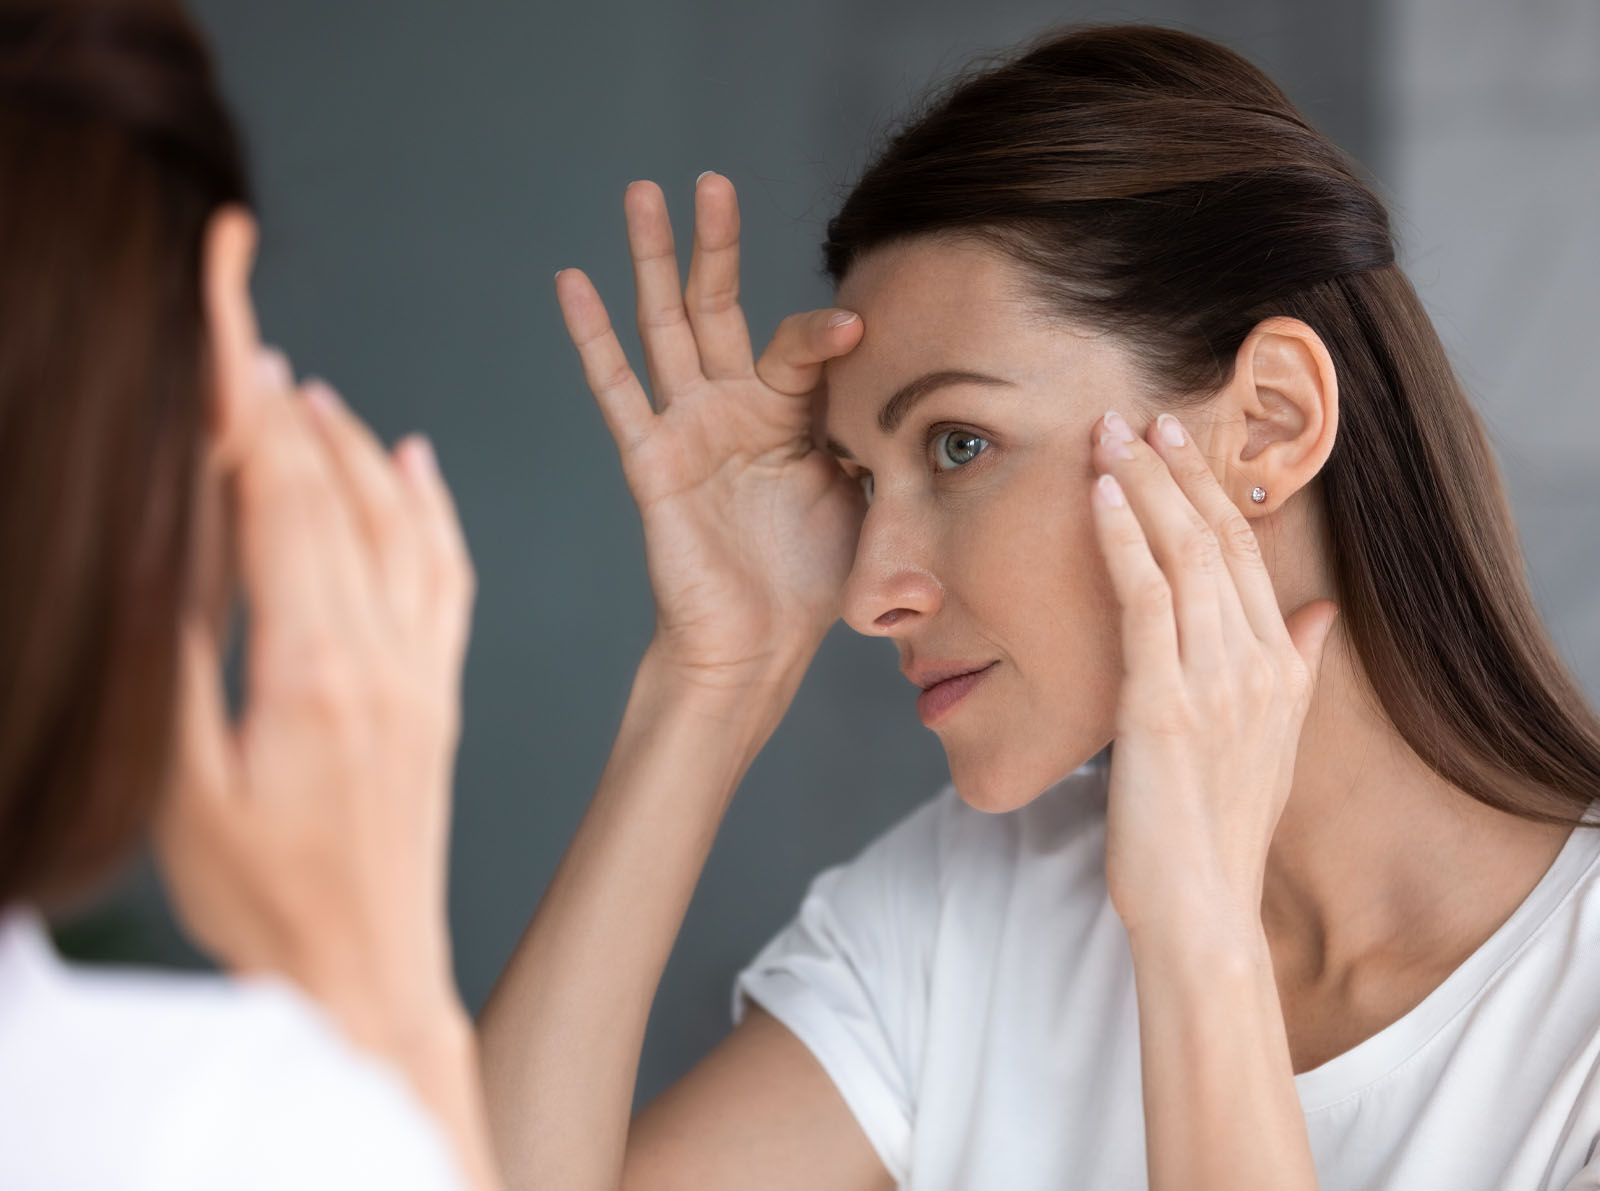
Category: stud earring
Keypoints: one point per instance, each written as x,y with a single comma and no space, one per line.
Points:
1258,494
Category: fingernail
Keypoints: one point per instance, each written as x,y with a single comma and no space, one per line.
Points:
420,456
1171,429
320,395
272,369
1118,448
843,318
1111,490
702,174
1117,426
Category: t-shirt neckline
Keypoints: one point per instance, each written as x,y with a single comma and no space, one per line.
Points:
1370,1060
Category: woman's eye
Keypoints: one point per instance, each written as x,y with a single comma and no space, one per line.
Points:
956,447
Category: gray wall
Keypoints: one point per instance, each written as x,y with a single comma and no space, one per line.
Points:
423,170
1494,130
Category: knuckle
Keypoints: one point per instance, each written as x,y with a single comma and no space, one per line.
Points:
602,331
1238,539
1297,674
609,380
319,675
388,520
1200,554
1259,679
792,327
661,318
1152,596
1127,536
717,299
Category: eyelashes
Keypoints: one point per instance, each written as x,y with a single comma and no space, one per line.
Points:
948,449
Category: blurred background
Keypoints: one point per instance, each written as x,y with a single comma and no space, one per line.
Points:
424,168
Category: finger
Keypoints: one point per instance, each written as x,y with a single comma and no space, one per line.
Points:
1179,539
622,399
377,500
452,580
300,565
802,344
671,356
1309,628
274,373
1255,597
1149,632
712,297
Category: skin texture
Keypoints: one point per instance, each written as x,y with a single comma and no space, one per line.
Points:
1306,834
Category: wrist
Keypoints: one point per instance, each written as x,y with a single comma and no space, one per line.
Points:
771,676
383,1004
1226,939
722,716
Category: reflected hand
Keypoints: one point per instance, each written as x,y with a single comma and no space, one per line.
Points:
750,528
308,839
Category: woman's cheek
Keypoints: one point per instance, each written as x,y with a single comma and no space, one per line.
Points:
1032,582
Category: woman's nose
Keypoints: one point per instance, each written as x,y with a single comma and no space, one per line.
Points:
890,586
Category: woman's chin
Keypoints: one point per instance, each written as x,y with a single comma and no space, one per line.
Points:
997,780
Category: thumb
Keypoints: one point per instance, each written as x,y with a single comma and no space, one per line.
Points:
203,755
802,344
1309,628
194,826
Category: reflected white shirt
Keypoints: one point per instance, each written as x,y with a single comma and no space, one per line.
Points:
123,1078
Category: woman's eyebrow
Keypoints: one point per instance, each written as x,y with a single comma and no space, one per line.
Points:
895,409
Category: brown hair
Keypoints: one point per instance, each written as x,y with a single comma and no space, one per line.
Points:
1159,187
115,149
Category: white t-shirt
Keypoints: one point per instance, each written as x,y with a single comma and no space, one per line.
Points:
138,1080
968,986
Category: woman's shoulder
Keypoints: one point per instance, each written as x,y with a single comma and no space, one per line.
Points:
138,1077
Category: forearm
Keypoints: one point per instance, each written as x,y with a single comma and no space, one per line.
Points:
1221,1109
563,1028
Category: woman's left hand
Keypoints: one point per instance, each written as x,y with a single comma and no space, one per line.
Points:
1215,687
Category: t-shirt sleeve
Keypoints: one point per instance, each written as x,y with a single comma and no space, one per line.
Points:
849,976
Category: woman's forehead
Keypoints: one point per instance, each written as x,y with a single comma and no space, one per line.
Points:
958,305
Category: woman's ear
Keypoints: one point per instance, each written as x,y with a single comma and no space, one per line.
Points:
1287,389
228,253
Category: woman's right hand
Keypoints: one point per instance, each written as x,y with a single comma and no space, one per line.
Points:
750,527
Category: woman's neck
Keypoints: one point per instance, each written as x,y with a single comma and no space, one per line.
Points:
1378,860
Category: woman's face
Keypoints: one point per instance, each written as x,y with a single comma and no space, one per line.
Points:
978,547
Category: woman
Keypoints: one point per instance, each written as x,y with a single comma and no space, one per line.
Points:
1321,915
156,460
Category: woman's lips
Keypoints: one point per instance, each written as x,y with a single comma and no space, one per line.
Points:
940,699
